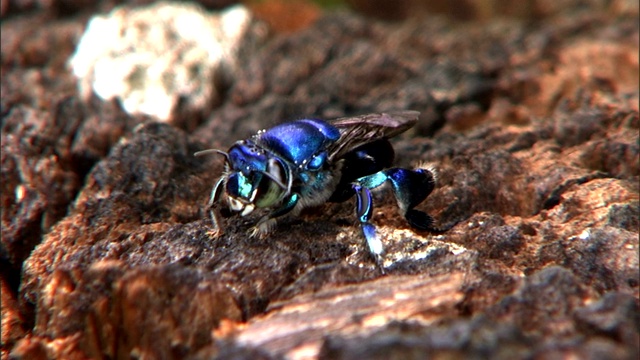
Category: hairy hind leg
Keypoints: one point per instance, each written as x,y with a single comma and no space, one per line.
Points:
410,188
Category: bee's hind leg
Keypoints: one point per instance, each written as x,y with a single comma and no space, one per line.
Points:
410,188
364,208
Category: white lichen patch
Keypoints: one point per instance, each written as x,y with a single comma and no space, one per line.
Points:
151,57
401,245
404,244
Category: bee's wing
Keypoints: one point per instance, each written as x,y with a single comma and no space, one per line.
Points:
360,130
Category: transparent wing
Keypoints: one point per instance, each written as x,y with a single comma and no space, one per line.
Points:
359,130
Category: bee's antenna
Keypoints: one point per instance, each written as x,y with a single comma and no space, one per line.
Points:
211,151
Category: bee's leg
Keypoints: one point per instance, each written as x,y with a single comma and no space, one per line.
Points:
268,222
364,208
216,193
410,188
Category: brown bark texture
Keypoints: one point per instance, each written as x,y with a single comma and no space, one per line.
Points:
531,121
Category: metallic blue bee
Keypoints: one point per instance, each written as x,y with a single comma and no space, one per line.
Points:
309,162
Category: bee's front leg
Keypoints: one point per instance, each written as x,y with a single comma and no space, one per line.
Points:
268,222
216,194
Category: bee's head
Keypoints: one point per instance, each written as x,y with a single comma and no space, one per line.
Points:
254,179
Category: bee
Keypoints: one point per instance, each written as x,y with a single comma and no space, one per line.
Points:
308,162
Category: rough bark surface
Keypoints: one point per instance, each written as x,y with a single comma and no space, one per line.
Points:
532,124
